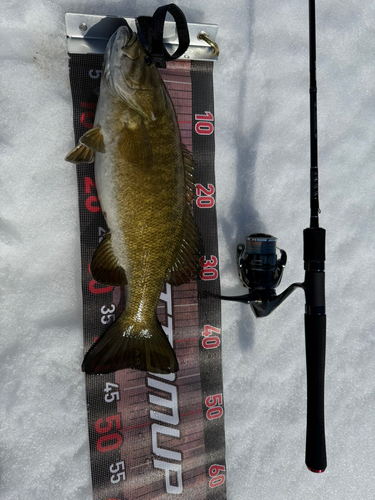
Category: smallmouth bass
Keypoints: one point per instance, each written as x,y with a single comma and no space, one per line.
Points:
144,179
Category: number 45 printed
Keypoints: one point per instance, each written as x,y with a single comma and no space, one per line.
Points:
111,393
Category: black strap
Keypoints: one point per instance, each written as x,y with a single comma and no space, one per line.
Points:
152,30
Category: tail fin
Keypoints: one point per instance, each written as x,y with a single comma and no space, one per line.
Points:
125,346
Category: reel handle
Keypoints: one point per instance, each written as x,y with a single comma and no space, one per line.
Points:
315,338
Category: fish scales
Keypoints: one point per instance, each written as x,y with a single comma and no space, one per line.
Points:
148,228
144,182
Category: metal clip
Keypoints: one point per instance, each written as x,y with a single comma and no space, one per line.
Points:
204,36
89,34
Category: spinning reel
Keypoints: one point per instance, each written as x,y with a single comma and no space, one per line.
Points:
260,270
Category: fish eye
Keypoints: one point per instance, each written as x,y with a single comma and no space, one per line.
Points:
148,60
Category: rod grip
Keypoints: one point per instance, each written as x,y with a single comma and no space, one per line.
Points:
315,337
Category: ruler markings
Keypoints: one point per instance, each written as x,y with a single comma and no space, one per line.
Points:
180,82
187,340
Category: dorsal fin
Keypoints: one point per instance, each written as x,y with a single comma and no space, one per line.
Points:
105,268
185,267
189,174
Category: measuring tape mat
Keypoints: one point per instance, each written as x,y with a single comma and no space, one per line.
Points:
157,436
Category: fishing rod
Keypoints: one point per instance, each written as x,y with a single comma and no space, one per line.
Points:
260,270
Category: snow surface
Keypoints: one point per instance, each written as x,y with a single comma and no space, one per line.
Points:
262,182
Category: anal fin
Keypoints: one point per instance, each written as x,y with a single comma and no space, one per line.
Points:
105,268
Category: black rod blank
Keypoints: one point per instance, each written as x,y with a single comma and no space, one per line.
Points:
314,285
314,192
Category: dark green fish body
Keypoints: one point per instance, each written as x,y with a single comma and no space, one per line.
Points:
144,180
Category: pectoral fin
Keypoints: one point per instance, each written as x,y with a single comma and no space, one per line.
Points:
93,139
136,146
90,142
80,154
105,268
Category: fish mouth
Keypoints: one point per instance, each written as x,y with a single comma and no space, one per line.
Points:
123,64
123,37
131,40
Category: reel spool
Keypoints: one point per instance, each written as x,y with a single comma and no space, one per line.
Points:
257,262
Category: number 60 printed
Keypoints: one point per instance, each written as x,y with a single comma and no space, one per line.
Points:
216,478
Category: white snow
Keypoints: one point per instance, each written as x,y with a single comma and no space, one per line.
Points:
262,184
